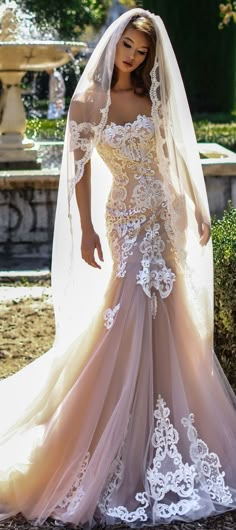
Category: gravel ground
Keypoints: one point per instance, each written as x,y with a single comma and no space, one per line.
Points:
226,522
26,326
26,331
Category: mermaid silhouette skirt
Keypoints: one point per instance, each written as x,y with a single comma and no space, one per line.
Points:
135,420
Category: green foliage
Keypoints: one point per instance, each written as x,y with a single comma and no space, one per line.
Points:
68,17
205,54
43,129
224,134
206,129
227,13
224,247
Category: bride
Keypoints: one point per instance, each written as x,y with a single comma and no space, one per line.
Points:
129,416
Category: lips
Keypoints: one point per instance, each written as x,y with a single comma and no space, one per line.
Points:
127,63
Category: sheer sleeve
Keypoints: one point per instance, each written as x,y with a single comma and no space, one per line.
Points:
81,141
86,119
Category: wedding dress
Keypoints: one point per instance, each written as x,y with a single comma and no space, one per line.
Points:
135,420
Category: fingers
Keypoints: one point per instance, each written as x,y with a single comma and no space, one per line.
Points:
99,250
88,247
90,259
205,234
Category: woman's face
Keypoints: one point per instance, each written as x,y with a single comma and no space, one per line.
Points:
131,50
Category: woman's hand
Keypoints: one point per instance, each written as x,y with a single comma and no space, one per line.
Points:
205,233
91,242
204,228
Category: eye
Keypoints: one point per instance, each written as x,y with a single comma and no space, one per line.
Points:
141,53
126,44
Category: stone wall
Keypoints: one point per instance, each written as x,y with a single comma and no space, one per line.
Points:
27,211
28,204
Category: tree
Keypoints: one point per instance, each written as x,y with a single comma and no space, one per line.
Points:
67,17
206,56
227,13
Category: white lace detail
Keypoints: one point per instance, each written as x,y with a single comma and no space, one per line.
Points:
109,316
122,234
84,136
160,278
168,474
73,498
112,483
207,465
115,476
137,205
180,477
78,133
154,305
173,213
117,136
129,517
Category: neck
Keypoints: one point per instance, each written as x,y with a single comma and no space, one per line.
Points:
123,82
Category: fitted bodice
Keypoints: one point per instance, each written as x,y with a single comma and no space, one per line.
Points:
136,212
129,152
133,140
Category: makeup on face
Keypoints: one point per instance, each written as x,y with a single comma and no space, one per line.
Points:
131,50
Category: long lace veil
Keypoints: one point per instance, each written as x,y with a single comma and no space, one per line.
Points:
77,288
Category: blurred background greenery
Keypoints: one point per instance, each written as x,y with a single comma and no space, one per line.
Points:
206,55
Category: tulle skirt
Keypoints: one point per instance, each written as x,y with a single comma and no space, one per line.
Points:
134,421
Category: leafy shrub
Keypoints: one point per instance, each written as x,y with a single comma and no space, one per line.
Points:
224,134
224,247
219,128
43,129
205,127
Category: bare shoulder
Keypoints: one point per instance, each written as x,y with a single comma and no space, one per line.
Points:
86,106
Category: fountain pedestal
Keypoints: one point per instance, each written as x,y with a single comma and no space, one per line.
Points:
20,53
16,151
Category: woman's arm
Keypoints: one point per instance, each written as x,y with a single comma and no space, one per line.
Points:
90,240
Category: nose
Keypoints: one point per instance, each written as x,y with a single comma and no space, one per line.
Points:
131,54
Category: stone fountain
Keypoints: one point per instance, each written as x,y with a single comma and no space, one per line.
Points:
20,53
28,188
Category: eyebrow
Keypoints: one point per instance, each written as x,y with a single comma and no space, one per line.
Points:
131,40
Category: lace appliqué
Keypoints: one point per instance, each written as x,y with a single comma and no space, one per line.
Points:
154,273
73,498
84,136
137,201
123,233
118,136
148,194
109,316
129,517
207,465
161,117
180,479
154,305
113,482
114,478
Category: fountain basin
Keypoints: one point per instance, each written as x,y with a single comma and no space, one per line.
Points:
15,60
37,55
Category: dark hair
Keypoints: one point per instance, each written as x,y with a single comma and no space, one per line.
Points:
141,76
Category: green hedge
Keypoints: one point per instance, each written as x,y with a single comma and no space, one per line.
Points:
224,246
205,54
219,128
205,128
43,129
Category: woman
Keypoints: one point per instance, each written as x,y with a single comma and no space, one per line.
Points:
132,420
